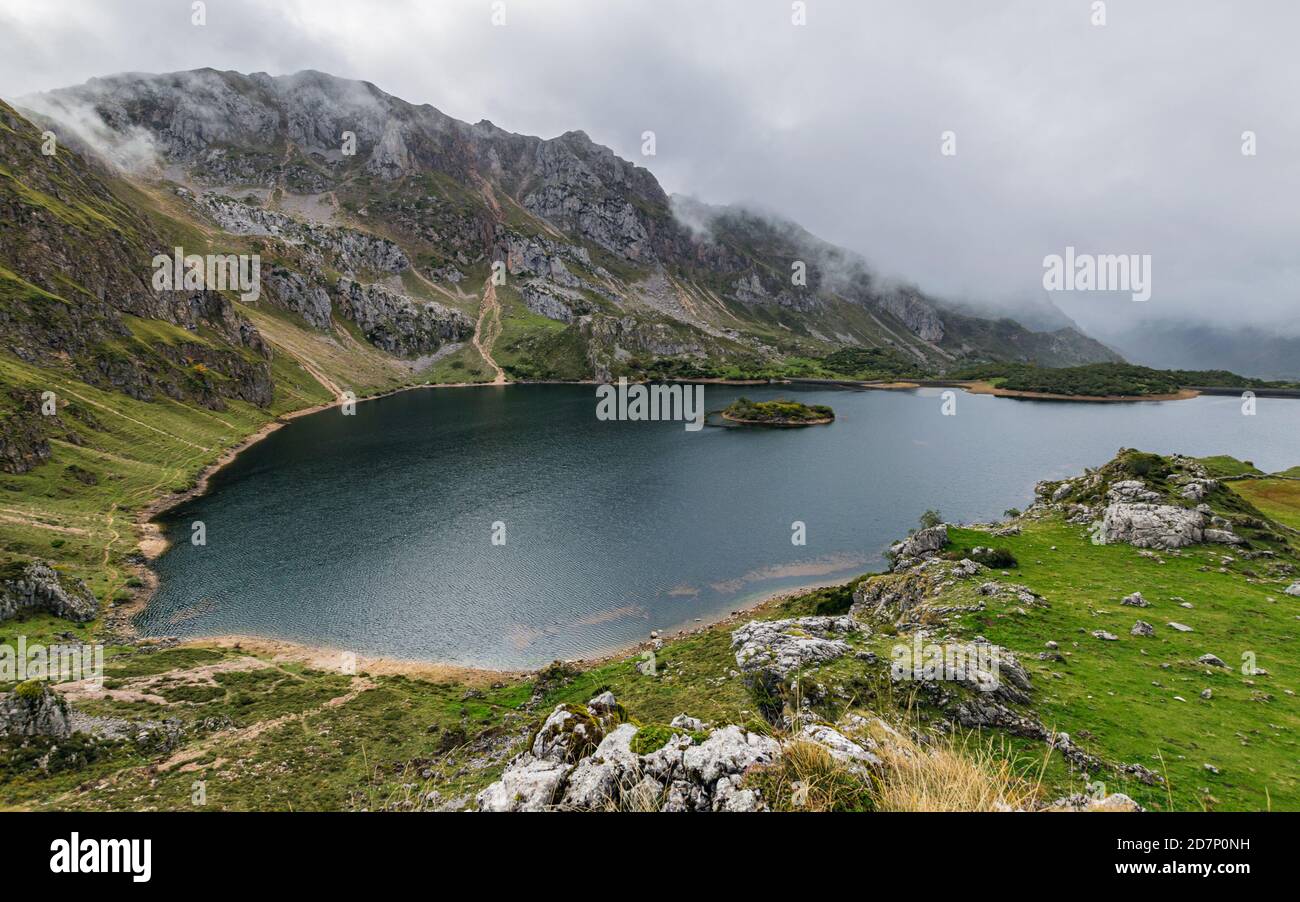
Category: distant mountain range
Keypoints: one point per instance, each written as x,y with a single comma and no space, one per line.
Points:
379,225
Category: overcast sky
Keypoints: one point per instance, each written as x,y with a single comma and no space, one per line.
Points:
1122,138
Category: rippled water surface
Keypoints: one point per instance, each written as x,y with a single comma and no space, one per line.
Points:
373,532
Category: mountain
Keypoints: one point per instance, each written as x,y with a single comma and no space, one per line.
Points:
1252,351
391,241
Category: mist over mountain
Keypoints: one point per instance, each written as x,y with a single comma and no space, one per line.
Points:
336,170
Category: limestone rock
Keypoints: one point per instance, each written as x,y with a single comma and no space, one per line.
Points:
920,545
34,709
528,784
1116,801
778,648
39,587
1145,525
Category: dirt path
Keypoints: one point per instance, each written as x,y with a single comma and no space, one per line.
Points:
488,329
317,373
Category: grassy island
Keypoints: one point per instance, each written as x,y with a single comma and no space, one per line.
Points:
780,412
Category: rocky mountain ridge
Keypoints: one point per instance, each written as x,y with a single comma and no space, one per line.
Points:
341,174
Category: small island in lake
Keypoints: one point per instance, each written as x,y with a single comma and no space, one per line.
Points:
780,412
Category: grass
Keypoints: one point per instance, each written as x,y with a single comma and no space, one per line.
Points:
1279,498
1125,695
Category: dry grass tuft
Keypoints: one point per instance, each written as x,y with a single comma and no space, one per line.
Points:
950,773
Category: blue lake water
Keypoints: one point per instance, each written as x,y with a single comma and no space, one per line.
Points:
373,532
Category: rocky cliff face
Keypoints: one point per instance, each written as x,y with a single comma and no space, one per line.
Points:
398,324
37,586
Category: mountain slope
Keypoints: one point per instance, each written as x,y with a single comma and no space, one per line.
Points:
604,273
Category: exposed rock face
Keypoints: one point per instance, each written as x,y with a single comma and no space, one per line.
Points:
1146,525
777,649
106,247
39,587
843,749
1116,801
554,301
903,596
399,324
716,768
447,184
34,709
1198,489
350,250
921,318
1131,490
293,292
920,545
528,784
564,769
23,440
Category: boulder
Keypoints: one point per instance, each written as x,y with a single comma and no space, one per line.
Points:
778,648
571,732
528,784
1180,627
1116,801
1146,525
1131,490
1293,589
683,722
1211,660
724,758
843,749
1222,537
597,781
1135,601
922,544
1142,628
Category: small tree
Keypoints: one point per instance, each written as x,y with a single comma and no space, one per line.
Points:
931,518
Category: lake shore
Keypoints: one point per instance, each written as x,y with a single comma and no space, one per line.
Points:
337,660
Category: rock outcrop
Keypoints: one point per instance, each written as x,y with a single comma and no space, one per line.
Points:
36,586
919,546
34,709
779,648
1147,525
564,769
398,324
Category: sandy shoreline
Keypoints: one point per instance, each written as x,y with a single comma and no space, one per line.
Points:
328,658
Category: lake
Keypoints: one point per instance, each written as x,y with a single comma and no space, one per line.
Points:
374,532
